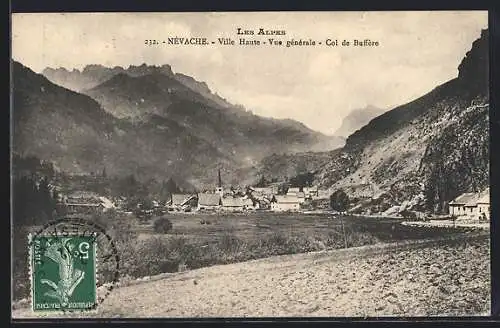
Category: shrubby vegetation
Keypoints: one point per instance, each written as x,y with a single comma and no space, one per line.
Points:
406,214
339,201
162,225
176,251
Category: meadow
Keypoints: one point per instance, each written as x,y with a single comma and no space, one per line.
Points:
202,240
211,228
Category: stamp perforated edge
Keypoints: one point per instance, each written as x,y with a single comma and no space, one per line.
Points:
42,313
30,271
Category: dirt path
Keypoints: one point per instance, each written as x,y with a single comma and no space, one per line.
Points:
412,279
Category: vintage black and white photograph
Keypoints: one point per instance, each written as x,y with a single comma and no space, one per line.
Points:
250,164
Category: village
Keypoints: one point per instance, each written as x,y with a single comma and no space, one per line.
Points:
468,207
220,199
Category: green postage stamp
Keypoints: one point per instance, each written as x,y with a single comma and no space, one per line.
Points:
63,272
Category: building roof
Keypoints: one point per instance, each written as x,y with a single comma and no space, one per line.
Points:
106,202
83,194
293,190
263,190
209,199
484,197
236,202
286,199
472,199
179,199
464,199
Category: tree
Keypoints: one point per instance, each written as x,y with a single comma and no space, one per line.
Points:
33,201
45,201
302,180
128,186
339,201
262,182
407,214
283,188
170,187
147,204
162,225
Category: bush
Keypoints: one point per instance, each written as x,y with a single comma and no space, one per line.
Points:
406,214
229,243
339,201
162,225
160,255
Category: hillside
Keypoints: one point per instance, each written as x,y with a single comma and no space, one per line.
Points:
92,75
421,154
428,151
147,123
74,132
234,131
356,119
138,91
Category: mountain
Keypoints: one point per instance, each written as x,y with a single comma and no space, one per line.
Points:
233,131
358,118
138,91
92,75
202,88
78,136
419,155
147,123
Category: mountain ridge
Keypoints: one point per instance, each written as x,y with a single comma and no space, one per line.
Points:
185,137
200,88
356,119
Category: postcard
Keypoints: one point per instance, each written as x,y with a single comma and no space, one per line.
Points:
250,164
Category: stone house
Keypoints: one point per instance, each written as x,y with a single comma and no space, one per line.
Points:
471,206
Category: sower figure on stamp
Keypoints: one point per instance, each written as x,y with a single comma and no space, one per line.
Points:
61,253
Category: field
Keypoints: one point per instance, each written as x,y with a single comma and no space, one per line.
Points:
234,238
416,278
256,226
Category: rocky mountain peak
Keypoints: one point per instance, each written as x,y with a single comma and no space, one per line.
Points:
145,69
474,68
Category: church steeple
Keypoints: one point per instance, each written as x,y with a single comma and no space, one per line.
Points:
219,189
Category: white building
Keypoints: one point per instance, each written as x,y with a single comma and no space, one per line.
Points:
281,203
301,197
311,192
84,202
475,206
209,201
107,204
263,191
182,202
293,191
232,204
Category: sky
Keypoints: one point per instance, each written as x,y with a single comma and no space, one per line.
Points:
317,85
